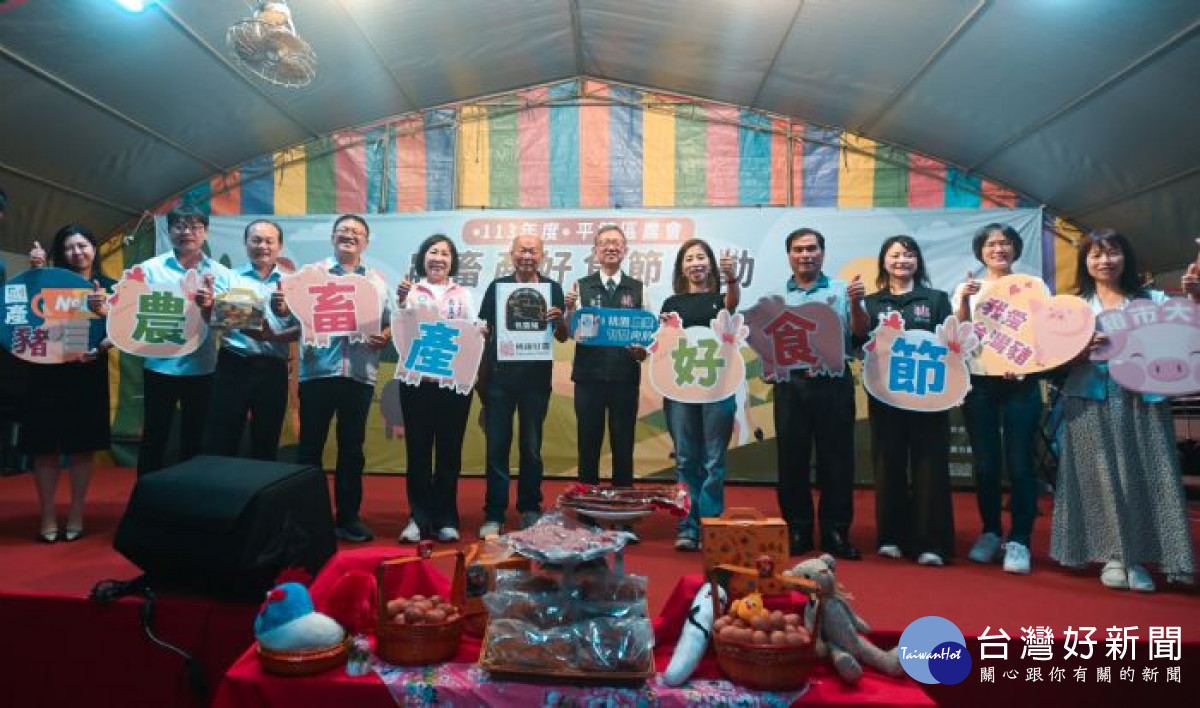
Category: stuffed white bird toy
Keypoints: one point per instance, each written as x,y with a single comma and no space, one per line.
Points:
697,630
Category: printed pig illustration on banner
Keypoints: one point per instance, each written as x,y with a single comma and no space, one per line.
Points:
698,364
807,336
918,370
329,305
1153,348
448,351
159,321
1023,330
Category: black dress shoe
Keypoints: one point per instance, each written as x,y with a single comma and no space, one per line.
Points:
799,541
837,545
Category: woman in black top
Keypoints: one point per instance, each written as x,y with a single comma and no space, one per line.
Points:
68,413
913,517
700,431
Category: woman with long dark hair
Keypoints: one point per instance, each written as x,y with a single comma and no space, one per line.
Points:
67,415
700,431
1118,499
435,418
910,449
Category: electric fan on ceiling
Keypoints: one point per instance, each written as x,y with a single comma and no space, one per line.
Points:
267,45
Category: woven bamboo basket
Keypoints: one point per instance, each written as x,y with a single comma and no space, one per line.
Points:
303,663
419,644
764,667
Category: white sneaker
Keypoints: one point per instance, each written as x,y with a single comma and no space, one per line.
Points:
1016,558
447,534
411,533
930,558
1113,575
489,528
985,549
1139,579
889,550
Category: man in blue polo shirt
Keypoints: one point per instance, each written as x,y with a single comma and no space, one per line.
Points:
340,380
252,365
818,411
186,381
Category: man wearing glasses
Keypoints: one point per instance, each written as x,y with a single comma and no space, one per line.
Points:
184,382
607,378
340,380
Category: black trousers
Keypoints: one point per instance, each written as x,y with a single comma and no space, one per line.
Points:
619,400
350,401
161,394
816,412
253,385
435,420
910,452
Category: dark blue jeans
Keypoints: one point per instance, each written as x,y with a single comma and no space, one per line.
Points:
701,433
530,402
1002,417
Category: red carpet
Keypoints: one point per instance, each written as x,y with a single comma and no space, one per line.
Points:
42,588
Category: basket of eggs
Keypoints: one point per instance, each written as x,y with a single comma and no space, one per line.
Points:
420,629
759,648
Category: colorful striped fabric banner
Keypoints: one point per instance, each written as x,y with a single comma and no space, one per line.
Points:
586,143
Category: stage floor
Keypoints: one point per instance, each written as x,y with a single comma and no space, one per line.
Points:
888,593
43,590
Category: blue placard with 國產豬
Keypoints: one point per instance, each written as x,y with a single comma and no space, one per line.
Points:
613,327
45,319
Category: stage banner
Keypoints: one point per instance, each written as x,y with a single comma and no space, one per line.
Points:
1022,329
523,331
46,317
329,305
698,364
918,370
613,327
160,321
756,236
799,337
446,351
1152,348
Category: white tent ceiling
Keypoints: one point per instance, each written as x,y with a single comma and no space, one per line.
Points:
1089,106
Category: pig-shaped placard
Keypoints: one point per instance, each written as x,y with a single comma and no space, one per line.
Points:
1023,330
329,305
160,321
447,351
698,364
1153,348
918,370
46,318
787,338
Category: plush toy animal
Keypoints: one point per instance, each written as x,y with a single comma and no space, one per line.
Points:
287,622
841,633
693,641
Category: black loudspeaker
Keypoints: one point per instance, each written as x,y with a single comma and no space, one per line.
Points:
227,526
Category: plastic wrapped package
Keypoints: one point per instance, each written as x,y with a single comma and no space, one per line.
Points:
613,644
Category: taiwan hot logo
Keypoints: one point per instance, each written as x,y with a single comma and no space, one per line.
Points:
932,650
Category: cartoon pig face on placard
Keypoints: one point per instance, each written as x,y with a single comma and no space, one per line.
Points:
1022,329
1153,348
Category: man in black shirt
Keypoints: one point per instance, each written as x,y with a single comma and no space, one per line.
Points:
607,378
522,387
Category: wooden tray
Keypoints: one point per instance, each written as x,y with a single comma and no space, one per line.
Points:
566,675
303,663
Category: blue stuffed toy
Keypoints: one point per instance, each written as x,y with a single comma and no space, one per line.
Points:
288,622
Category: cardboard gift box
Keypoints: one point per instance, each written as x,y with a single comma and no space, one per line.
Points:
738,538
